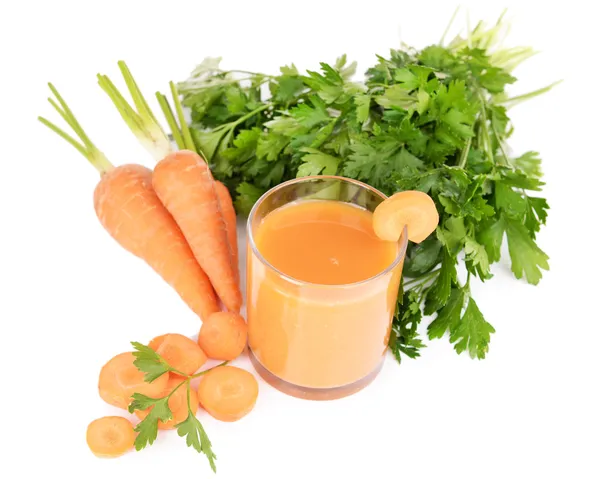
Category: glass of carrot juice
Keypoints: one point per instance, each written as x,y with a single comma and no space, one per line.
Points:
321,286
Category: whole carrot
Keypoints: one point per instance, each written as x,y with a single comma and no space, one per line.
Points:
229,216
185,186
133,215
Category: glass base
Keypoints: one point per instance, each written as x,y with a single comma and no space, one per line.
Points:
314,394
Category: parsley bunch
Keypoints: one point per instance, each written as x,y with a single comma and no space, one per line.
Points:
434,120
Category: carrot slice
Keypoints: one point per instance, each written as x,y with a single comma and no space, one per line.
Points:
228,393
413,209
110,436
178,403
223,335
119,379
180,352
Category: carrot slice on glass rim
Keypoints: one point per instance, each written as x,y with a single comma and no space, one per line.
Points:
413,209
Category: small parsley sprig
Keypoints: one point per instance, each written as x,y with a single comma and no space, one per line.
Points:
153,365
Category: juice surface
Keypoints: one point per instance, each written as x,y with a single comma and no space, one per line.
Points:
323,242
331,329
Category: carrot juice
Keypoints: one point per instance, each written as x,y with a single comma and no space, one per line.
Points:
321,288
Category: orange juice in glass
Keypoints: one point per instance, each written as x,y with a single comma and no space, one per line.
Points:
321,286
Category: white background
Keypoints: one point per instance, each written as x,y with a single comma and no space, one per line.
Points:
70,297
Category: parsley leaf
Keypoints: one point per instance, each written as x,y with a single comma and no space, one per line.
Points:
477,257
490,235
149,362
363,107
147,429
439,293
310,116
453,234
247,195
397,96
270,146
195,435
404,338
529,163
472,332
316,162
526,257
421,258
449,316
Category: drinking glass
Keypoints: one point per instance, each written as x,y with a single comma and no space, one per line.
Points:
318,341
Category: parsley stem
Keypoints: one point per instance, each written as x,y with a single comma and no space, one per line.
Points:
421,279
173,370
249,115
464,154
487,146
246,72
500,145
189,401
197,375
191,86
187,380
526,96
449,25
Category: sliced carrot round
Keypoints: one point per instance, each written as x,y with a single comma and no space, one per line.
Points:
413,209
223,335
178,403
119,379
228,393
110,436
180,352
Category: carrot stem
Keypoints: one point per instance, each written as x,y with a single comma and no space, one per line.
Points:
69,116
140,120
138,98
187,137
168,114
127,113
84,145
59,131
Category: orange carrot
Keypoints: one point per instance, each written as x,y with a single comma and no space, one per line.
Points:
228,393
228,211
223,335
180,352
132,214
110,436
177,403
184,184
119,379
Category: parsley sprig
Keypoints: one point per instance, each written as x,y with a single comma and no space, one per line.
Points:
435,120
154,365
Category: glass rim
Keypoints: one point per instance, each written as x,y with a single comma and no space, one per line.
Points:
403,241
